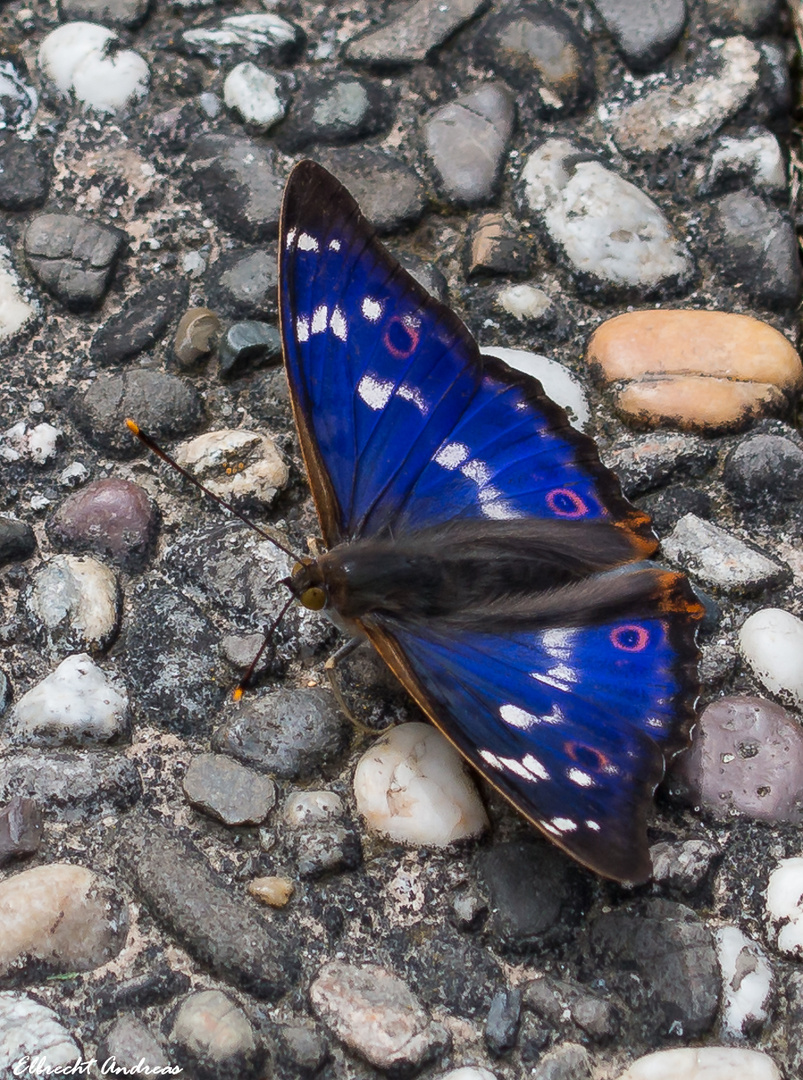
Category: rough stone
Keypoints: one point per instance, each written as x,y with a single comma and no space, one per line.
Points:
644,32
141,321
413,35
73,258
721,560
69,784
226,790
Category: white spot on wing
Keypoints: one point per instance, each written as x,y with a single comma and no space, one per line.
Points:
517,717
371,309
306,242
376,393
289,240
534,766
491,759
451,455
477,471
415,397
302,328
334,245
582,779
563,824
593,825
319,319
564,673
338,324
548,680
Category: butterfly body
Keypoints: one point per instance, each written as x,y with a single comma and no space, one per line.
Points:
474,537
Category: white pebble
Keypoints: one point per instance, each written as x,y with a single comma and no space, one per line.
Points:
705,1063
746,982
771,641
304,807
468,1072
74,704
15,310
76,599
234,463
557,381
524,301
31,1029
77,57
74,475
412,787
254,94
785,905
43,443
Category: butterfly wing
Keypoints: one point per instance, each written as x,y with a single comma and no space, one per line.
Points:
403,424
575,726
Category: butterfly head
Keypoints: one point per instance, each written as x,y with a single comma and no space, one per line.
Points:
307,584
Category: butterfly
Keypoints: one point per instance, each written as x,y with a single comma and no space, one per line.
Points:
475,538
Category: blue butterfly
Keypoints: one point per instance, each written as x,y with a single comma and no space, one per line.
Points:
477,541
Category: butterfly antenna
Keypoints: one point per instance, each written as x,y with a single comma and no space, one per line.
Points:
154,447
244,683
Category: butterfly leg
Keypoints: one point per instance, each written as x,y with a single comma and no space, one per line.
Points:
329,667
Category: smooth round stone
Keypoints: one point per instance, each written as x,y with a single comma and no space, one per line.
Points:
133,1045
376,1015
222,788
771,641
756,158
235,464
468,1072
697,370
765,470
110,517
609,231
569,1061
558,382
17,541
248,345
123,13
755,246
16,310
679,114
244,284
389,192
254,94
74,258
719,559
784,906
304,808
274,891
412,787
196,335
412,35
747,983
262,35
466,141
213,1033
29,1029
644,32
75,600
703,1063
59,918
76,57
336,109
74,706
525,303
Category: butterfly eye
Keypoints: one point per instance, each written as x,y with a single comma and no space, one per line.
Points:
313,598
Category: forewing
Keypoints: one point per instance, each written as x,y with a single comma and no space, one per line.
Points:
572,725
402,423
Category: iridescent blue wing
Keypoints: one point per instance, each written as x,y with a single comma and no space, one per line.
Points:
402,423
575,725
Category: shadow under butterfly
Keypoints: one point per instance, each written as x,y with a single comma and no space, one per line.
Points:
477,541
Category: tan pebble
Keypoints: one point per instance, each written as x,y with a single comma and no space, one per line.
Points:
275,891
695,402
195,335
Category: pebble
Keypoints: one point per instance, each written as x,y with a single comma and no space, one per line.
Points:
771,641
502,1024
412,787
142,320
336,109
59,918
570,1061
644,462
16,310
169,633
164,406
747,983
746,757
765,471
20,829
644,33
262,35
238,184
76,705
526,303
275,891
17,541
255,95
37,444
682,112
468,1072
18,101
113,518
453,973
227,791
131,1044
246,346
755,158
413,34
5,691
389,192
661,959
755,247
301,1050
243,284
558,382
235,464
376,1015
563,1002
466,141
72,257
211,1035
608,231
747,16
496,246
196,336
219,930
72,785
719,559
25,173
684,865
83,58
708,371
290,733
542,55
75,604
306,808
323,840
126,14
30,1029
703,1063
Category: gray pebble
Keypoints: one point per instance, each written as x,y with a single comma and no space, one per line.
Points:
335,109
756,159
322,839
130,1043
719,559
214,1039
570,1061
24,173
301,1050
141,321
72,257
243,284
17,541
71,784
388,191
20,829
127,14
563,1002
683,865
227,791
248,345
644,30
643,462
502,1024
262,36
765,472
413,35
